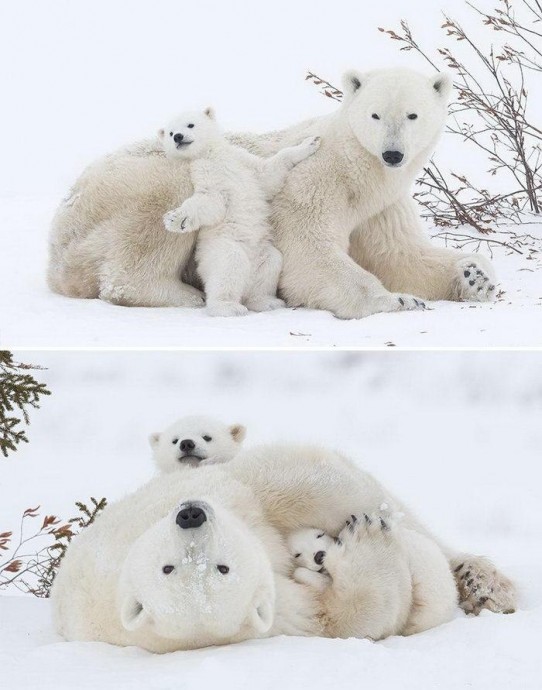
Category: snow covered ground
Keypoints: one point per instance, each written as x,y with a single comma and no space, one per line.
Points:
31,316
456,435
103,74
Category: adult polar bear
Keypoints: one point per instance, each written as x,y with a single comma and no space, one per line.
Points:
344,222
198,557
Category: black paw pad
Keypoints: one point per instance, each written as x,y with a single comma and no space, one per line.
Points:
401,301
384,525
466,274
456,570
471,282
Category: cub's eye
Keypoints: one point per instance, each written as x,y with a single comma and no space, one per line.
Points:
190,126
297,555
167,569
175,441
223,569
319,536
412,116
375,116
207,438
171,134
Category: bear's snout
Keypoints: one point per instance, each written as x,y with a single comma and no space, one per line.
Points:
393,157
191,516
187,444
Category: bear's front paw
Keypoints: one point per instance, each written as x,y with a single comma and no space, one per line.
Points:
474,282
409,303
177,221
311,144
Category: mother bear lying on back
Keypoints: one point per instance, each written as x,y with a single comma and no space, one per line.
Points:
344,222
197,557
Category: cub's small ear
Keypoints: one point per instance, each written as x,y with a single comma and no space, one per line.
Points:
210,112
238,432
132,614
161,133
443,84
154,439
352,81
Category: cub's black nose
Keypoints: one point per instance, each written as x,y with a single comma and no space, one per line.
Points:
393,157
177,138
187,444
319,557
190,517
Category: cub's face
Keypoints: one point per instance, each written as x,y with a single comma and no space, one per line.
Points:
189,134
396,114
199,577
194,441
308,548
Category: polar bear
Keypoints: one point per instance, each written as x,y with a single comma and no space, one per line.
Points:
425,583
344,222
235,256
195,441
114,586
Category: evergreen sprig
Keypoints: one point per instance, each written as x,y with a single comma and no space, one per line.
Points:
19,393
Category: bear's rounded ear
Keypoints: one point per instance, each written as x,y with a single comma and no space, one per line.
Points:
443,84
352,81
161,133
263,614
132,614
154,439
238,432
210,112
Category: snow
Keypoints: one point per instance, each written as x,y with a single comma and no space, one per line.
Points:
32,316
82,64
456,435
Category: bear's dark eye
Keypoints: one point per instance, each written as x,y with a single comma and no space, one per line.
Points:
412,116
319,536
207,438
223,569
190,126
375,116
167,569
297,555
171,134
175,441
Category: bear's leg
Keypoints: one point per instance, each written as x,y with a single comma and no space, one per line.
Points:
276,168
393,246
325,277
163,291
370,593
481,585
224,267
262,292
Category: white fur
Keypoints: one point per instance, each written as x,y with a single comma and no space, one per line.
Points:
404,581
235,256
344,222
213,442
259,498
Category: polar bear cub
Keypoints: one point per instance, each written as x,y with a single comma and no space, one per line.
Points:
194,441
235,257
404,580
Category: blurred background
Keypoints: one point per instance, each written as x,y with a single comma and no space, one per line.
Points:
456,435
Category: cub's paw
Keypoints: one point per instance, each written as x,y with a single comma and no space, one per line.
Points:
475,281
318,581
482,586
265,304
226,309
408,303
311,144
367,526
177,221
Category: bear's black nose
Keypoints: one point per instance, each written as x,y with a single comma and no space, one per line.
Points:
393,157
187,444
190,517
319,557
177,138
